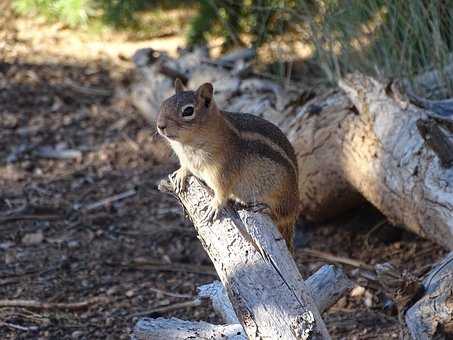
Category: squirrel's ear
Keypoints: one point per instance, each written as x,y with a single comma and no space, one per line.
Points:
204,93
179,87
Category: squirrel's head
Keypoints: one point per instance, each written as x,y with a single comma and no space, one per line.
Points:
183,114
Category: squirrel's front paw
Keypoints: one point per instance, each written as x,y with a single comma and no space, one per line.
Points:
180,178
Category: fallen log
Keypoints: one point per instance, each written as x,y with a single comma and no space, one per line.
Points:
367,145
433,83
384,157
261,278
327,285
177,329
432,315
316,134
442,108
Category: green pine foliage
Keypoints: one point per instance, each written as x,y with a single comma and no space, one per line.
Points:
122,13
119,14
72,12
202,24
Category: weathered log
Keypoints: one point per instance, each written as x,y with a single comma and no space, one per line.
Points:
155,76
371,149
443,107
327,285
437,140
384,157
317,136
215,291
433,83
261,278
242,54
432,315
177,329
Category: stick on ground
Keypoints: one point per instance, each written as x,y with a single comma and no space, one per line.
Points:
34,304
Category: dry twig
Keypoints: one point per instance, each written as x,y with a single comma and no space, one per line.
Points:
89,91
28,217
338,259
109,200
164,292
57,305
18,327
171,267
170,307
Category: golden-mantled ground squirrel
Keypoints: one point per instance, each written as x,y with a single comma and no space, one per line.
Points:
239,156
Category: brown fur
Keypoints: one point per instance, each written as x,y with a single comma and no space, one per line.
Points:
239,156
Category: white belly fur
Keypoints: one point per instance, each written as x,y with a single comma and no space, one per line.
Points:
198,161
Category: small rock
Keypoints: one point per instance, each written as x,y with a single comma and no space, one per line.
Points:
368,300
112,290
357,291
37,172
130,293
33,238
73,244
166,259
10,257
76,334
6,245
109,322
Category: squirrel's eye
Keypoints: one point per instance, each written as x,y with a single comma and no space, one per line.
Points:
187,111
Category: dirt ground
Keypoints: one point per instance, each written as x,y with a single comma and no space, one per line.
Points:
124,257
